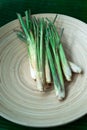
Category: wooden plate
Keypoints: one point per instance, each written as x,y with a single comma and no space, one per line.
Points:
20,100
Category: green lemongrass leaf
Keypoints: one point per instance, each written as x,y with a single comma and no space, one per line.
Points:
38,48
41,37
42,56
52,22
61,33
30,20
34,27
22,36
22,39
23,25
27,19
37,43
41,41
55,18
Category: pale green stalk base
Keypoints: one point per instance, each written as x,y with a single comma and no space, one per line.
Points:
60,94
39,82
32,72
75,68
47,72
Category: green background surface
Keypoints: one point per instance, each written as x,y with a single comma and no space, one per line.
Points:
74,8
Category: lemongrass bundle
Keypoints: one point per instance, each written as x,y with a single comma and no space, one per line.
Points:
46,53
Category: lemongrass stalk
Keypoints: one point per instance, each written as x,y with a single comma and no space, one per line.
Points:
75,68
39,79
59,92
22,37
47,74
56,56
30,42
65,65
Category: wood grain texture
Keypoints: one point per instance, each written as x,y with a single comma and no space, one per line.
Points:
20,100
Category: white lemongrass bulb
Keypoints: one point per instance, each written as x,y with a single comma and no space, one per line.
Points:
47,72
32,72
75,68
56,90
32,60
68,74
60,94
39,82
